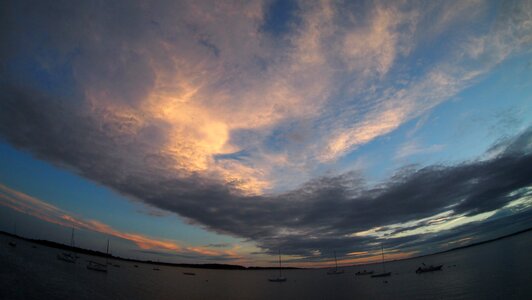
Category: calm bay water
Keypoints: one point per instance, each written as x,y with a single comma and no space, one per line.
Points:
497,270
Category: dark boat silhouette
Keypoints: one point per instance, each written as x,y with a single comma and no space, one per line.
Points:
335,271
68,257
11,243
99,267
384,273
280,278
430,268
364,272
96,266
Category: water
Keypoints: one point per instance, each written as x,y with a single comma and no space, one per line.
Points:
498,270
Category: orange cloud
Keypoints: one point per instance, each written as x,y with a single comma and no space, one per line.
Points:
32,206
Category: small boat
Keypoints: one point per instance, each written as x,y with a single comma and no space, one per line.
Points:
364,272
11,243
66,257
280,278
135,266
335,271
430,268
189,273
99,267
384,273
69,257
96,266
156,268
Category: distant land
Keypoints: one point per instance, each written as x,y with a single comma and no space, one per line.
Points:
219,266
101,254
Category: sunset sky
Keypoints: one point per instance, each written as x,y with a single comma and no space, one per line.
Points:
221,131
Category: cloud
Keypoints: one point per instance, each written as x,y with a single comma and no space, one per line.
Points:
324,212
37,208
162,104
413,148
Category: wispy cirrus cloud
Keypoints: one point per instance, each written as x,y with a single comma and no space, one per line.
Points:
414,148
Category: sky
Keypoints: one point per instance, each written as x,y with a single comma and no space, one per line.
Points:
226,131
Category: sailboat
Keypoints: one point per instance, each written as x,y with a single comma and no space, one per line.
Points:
430,268
12,243
99,267
280,278
335,271
156,268
68,257
364,272
384,273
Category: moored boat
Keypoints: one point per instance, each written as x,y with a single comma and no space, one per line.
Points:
96,266
364,272
69,257
383,273
99,267
280,278
430,268
335,271
66,257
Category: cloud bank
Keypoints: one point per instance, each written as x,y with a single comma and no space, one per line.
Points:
161,103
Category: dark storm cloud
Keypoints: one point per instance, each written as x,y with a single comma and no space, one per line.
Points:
320,215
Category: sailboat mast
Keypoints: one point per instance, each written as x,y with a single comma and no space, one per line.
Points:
72,238
335,261
280,268
107,252
382,252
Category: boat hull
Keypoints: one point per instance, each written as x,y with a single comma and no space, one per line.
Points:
429,269
382,274
280,279
94,266
97,269
363,273
69,258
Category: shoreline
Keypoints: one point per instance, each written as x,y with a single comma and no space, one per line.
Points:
217,266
